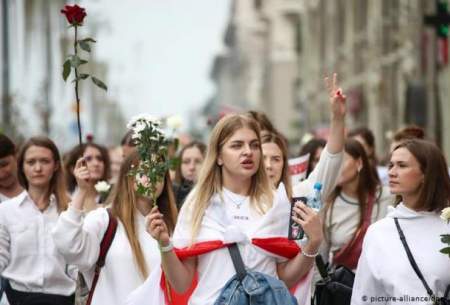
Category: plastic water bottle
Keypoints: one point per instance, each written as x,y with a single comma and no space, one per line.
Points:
315,201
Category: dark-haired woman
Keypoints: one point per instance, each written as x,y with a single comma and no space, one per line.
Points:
357,201
314,148
191,159
133,253
418,176
98,162
37,273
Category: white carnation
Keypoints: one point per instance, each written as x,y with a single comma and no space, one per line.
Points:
102,186
445,215
174,122
142,118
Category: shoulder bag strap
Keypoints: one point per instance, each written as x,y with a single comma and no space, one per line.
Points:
411,258
321,267
107,240
237,261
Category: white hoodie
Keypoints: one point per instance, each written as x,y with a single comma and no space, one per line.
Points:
385,275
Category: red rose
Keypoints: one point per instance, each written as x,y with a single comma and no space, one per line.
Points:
74,14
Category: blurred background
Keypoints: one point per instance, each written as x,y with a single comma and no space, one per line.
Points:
202,59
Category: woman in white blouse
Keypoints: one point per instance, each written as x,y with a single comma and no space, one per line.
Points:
133,253
37,273
418,176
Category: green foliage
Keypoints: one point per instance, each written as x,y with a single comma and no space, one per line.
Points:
85,46
445,238
152,147
99,83
76,61
66,69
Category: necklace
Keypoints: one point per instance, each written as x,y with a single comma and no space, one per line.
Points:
236,203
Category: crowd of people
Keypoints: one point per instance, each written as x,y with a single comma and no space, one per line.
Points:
222,217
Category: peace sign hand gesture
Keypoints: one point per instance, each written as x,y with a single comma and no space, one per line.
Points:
337,98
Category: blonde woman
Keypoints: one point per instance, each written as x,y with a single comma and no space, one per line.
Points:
132,254
235,202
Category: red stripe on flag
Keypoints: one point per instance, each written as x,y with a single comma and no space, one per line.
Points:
296,169
199,249
278,245
172,297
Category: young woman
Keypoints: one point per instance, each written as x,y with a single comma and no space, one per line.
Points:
418,176
99,166
234,201
265,125
132,254
314,148
186,175
357,195
36,271
275,154
9,184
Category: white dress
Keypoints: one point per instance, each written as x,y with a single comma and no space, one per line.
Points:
79,242
384,274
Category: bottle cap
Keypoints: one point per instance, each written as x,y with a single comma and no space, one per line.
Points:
318,186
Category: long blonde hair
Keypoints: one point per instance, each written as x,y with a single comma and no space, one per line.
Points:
210,177
124,205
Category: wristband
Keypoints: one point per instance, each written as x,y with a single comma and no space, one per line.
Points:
310,255
167,248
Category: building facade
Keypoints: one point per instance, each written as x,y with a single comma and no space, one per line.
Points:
279,51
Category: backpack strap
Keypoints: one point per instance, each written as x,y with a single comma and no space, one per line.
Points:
107,240
237,261
411,259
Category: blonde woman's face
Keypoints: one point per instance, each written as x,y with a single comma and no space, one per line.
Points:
273,162
240,154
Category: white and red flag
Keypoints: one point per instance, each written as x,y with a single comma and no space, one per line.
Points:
298,168
269,237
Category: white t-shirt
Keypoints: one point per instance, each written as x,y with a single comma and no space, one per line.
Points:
343,221
246,219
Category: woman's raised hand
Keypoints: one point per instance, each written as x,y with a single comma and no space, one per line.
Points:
337,98
82,175
157,227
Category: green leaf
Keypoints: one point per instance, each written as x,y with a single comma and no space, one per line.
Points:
76,61
66,69
87,40
85,46
99,83
445,238
80,77
445,250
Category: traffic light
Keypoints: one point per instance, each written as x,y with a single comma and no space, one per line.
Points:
442,10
